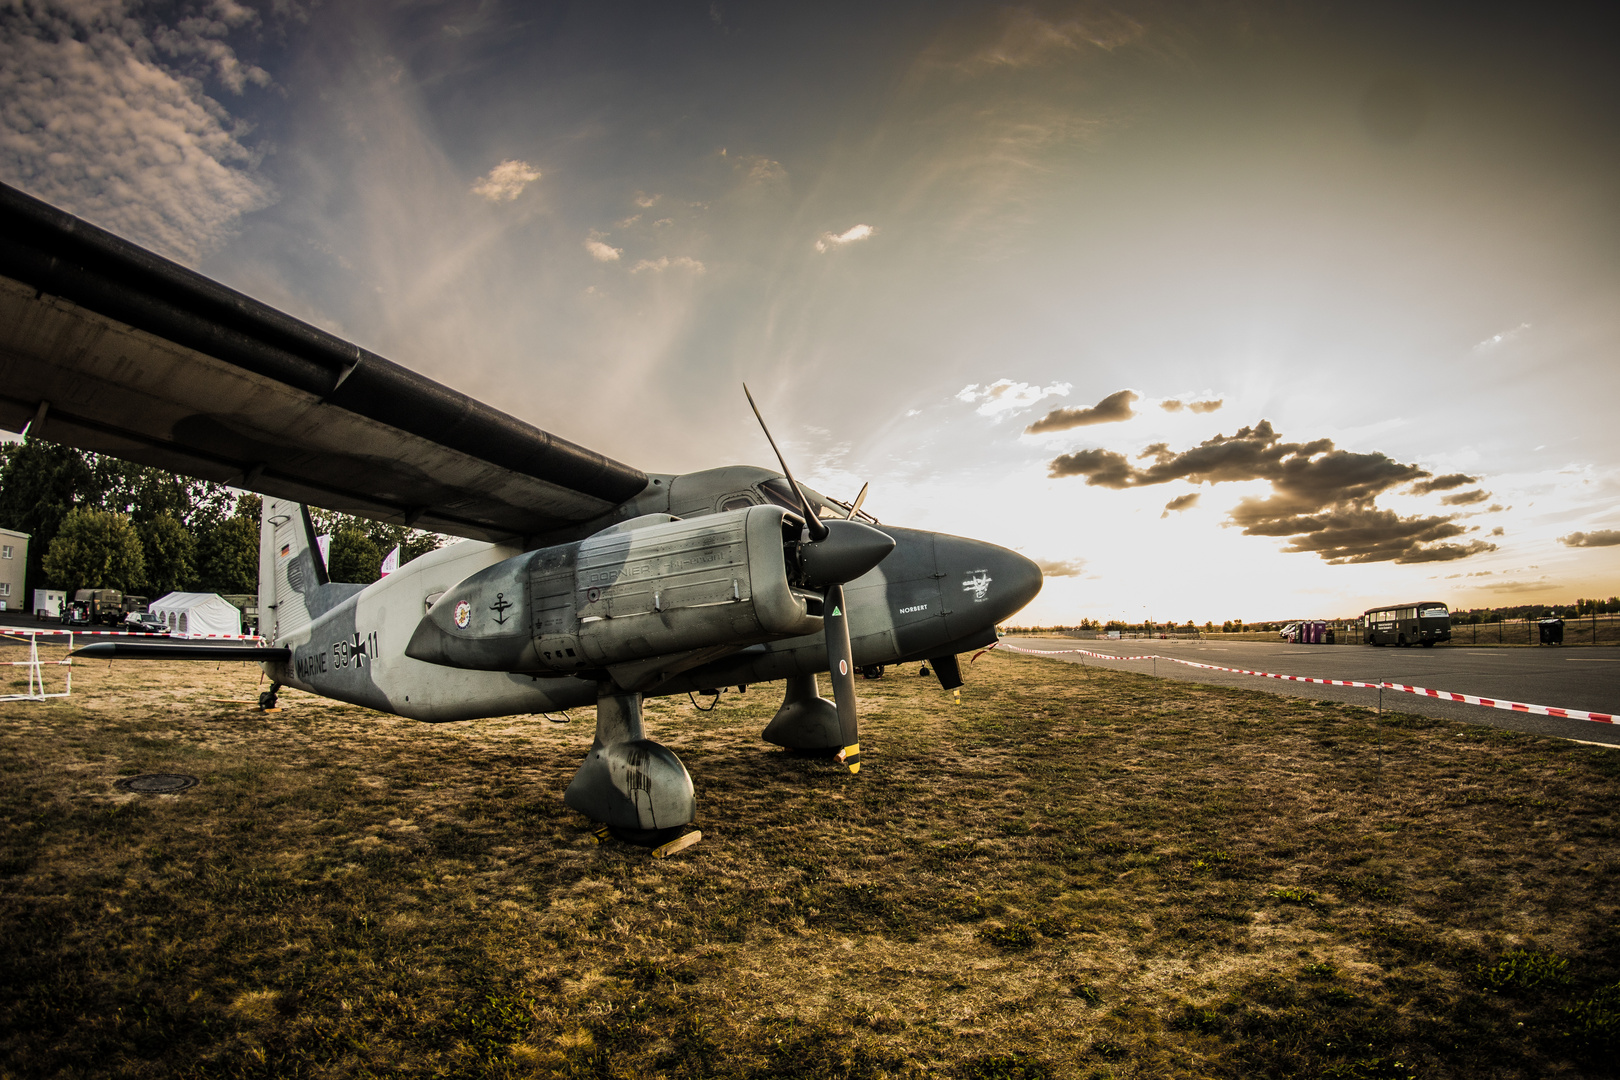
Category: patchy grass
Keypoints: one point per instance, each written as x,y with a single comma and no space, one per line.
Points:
1074,873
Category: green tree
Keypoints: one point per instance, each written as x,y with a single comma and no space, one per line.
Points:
171,555
359,545
40,483
96,549
354,556
228,556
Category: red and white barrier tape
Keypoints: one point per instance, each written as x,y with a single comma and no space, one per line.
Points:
24,632
1444,695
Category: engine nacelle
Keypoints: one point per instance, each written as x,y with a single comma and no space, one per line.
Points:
651,587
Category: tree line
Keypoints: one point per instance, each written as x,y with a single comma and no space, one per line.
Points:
98,522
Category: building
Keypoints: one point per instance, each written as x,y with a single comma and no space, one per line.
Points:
13,569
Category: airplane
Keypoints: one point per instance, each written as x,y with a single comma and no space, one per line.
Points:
578,580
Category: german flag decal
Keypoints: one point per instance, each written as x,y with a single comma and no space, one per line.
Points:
285,548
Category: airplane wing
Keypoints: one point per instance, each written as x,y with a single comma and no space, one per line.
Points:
108,347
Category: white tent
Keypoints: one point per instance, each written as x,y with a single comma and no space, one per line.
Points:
198,614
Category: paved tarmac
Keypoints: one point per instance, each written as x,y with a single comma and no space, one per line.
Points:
1565,678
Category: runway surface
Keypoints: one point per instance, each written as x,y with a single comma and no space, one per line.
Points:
1565,678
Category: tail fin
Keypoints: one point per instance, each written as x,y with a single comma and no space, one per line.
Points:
291,570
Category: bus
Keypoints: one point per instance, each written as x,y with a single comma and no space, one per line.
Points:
1422,623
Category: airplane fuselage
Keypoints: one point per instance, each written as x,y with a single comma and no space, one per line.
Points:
933,595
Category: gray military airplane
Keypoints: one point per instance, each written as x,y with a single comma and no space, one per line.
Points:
579,581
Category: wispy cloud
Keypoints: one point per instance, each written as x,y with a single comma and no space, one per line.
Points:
829,241
1021,38
1466,498
506,181
1112,409
1500,337
603,252
103,112
1061,567
1176,405
1005,395
1600,538
1180,503
1443,483
664,262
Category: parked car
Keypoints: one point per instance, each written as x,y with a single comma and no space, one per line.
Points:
1287,633
142,622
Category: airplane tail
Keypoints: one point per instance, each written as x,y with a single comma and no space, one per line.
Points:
292,574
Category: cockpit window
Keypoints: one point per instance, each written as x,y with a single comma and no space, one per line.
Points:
736,502
780,492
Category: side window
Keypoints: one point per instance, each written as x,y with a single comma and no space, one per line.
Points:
736,502
5,551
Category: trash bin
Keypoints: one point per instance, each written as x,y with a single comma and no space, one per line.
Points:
1552,631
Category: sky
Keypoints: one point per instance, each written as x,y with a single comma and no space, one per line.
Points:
1216,310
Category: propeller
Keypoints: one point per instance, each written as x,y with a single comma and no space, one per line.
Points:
855,507
830,554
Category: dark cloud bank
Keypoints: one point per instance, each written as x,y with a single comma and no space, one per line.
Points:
1323,499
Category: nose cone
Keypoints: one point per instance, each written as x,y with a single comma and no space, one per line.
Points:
983,584
849,550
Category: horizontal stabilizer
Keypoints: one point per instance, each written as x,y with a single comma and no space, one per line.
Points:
144,650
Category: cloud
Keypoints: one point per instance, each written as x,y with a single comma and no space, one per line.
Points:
1518,586
103,113
506,181
1443,483
1466,498
602,252
1061,567
1024,39
1110,410
664,262
762,170
850,235
1004,395
1498,338
1601,538
646,201
1322,499
1499,531
1180,503
1176,405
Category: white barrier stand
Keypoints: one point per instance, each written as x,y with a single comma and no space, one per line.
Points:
36,667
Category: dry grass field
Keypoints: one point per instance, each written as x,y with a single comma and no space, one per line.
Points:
1075,873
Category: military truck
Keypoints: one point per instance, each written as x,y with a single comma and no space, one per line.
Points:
99,607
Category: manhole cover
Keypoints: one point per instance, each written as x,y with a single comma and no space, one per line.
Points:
156,783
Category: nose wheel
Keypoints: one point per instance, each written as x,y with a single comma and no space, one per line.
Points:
267,699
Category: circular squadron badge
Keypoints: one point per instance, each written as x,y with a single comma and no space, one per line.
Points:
463,615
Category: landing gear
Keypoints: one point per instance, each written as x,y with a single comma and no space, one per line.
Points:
267,699
872,671
806,720
634,786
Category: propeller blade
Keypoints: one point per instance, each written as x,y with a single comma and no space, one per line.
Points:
841,668
855,507
812,521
